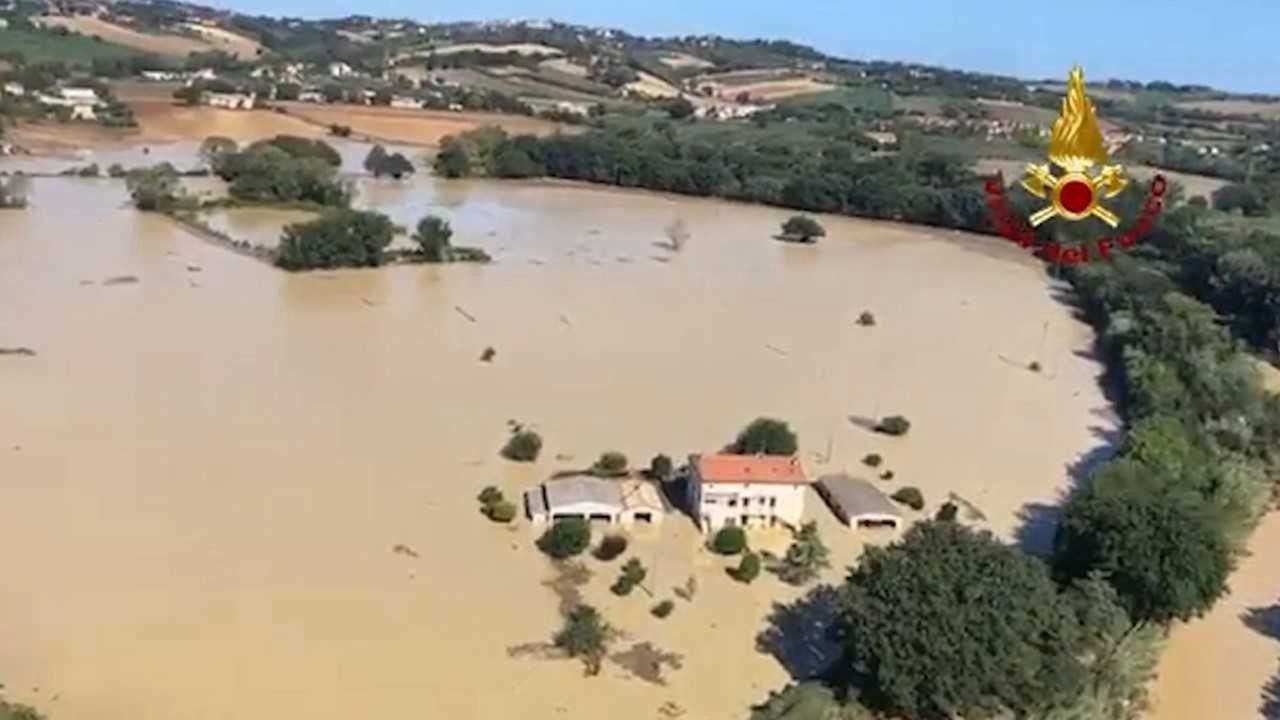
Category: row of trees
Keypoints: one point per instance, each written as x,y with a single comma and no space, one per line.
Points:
352,238
283,169
915,186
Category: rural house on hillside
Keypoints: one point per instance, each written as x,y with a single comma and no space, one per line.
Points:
80,102
230,101
625,501
745,490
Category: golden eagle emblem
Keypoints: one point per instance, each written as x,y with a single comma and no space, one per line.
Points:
1075,145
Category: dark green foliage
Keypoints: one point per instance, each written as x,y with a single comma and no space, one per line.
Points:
610,464
872,460
339,238
633,573
502,511
18,711
585,635
805,558
809,700
611,547
949,622
886,475
433,237
1160,545
379,162
1248,200
302,148
663,609
767,436
866,319
661,467
116,170
894,425
522,446
748,568
265,172
566,538
490,495
216,146
911,497
729,541
679,108
342,131
802,228
155,189
452,161
948,512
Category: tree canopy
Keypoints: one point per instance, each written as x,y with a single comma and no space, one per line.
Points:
585,635
768,436
379,162
339,238
157,188
432,237
950,622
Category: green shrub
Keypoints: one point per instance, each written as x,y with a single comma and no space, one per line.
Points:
610,464
866,319
948,512
566,538
501,511
872,460
911,497
894,425
663,609
339,238
768,436
611,548
433,238
660,467
523,446
886,475
633,573
748,568
490,495
116,171
802,228
729,541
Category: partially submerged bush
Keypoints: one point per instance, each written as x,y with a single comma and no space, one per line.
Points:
748,568
633,573
911,497
663,609
502,511
866,319
948,512
522,446
894,425
872,460
566,538
611,548
490,495
802,228
610,464
729,541
660,467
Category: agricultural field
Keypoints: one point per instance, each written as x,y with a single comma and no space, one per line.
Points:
166,44
496,49
683,61
1247,108
38,46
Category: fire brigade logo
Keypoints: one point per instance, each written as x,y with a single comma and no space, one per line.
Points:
1086,180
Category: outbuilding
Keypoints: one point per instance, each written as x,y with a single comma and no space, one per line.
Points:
858,503
624,501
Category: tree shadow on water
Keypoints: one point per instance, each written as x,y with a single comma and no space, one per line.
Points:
799,634
1266,621
1038,521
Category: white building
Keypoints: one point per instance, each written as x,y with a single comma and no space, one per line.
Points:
162,75
15,89
340,70
311,96
746,490
407,103
622,501
859,504
82,102
230,101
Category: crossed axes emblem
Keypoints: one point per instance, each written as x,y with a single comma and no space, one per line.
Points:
1075,195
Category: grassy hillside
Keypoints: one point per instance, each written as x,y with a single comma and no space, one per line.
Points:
42,46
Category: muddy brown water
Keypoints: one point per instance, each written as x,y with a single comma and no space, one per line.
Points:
203,473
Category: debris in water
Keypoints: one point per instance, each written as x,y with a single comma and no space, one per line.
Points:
120,280
487,355
86,282
194,268
778,350
565,319
464,313
23,351
403,549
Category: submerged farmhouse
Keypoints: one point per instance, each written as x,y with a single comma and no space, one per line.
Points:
746,490
625,501
80,103
858,503
230,101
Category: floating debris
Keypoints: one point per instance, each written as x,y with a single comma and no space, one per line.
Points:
464,313
120,280
23,351
777,349
194,268
403,549
487,355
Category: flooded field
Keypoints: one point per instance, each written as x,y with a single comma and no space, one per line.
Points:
206,466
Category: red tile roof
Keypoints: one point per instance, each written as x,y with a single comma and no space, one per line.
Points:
776,469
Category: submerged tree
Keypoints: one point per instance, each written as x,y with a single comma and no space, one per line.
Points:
156,188
432,237
767,436
340,238
802,228
805,558
585,635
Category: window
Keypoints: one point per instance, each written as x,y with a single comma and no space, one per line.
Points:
773,502
746,502
733,502
709,501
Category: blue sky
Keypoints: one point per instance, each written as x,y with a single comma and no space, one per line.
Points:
1229,44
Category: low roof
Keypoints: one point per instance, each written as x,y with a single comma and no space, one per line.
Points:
640,495
580,489
726,468
856,496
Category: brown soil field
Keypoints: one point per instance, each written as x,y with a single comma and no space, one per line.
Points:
565,66
652,86
780,89
521,48
1236,107
234,43
416,127
173,45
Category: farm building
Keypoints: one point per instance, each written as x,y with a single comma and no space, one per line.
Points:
858,503
746,490
625,501
230,101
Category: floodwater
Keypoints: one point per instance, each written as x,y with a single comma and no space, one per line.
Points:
203,473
